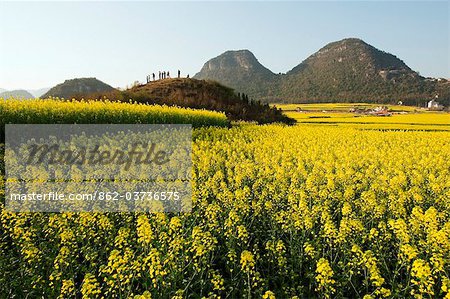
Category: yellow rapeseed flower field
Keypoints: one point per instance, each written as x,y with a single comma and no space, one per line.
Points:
308,211
413,121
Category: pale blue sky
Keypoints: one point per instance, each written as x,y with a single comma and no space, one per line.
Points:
44,43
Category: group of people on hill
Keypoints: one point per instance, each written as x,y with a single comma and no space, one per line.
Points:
162,75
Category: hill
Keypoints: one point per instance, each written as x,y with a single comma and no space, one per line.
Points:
18,94
240,70
77,88
32,93
349,70
199,94
352,70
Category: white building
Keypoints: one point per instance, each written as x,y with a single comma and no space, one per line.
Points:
433,104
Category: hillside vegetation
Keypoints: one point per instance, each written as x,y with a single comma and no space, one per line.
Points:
199,94
353,71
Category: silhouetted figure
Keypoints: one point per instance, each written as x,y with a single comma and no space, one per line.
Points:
164,74
160,75
168,75
179,73
153,74
187,76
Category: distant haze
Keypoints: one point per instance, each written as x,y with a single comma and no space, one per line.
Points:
120,42
38,92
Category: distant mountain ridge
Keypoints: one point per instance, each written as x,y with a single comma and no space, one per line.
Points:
18,93
348,70
33,93
78,87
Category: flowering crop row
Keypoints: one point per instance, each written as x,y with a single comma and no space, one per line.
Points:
51,111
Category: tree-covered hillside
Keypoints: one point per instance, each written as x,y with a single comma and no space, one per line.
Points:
349,70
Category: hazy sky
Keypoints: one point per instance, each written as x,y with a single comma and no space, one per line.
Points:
44,43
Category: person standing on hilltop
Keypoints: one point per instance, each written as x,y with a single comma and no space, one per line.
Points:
179,73
159,75
153,74
168,75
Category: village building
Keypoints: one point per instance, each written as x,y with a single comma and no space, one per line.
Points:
434,105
